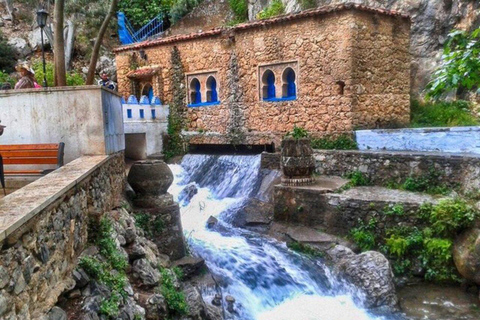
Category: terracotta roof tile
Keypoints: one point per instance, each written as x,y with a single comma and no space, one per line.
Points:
261,23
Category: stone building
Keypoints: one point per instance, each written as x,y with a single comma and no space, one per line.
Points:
329,70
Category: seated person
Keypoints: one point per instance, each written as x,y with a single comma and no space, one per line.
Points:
106,82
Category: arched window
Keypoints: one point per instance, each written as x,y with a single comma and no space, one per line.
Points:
340,87
212,95
289,87
195,94
268,81
148,91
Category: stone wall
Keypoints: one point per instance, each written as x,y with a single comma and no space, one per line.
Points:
44,228
382,167
455,139
334,92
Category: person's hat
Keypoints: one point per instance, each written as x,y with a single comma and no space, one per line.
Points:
24,66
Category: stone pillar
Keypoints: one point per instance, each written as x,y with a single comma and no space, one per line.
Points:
151,179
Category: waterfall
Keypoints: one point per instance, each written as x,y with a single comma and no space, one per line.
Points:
268,281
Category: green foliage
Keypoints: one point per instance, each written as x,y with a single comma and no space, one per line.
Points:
304,249
394,210
429,182
357,178
364,235
308,4
178,273
240,11
6,78
437,259
441,114
175,299
460,67
449,216
297,133
397,245
73,78
180,8
342,142
151,226
140,12
8,56
110,272
275,8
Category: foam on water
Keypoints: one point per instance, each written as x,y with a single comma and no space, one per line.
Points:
268,281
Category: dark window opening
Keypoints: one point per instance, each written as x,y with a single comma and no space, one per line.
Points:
289,87
340,87
195,94
268,81
212,94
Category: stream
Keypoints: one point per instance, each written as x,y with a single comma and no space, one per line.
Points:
267,280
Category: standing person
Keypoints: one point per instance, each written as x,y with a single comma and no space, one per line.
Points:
106,82
27,80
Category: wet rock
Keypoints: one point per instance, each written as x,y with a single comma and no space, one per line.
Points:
466,254
371,274
197,309
150,177
156,307
57,313
148,275
187,194
230,303
217,300
81,278
257,212
339,252
211,222
190,266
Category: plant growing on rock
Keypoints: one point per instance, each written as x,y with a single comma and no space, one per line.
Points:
342,142
297,133
357,179
151,227
275,8
174,298
240,11
394,210
304,249
364,235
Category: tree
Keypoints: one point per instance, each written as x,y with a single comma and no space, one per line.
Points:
460,67
59,44
98,43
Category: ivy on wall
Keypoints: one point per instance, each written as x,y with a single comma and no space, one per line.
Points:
174,143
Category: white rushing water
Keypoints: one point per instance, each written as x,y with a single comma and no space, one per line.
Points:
268,281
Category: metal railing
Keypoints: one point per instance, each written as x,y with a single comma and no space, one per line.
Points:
128,34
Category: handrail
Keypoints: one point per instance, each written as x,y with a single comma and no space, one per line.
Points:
128,34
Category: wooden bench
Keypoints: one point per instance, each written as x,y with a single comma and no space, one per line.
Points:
32,154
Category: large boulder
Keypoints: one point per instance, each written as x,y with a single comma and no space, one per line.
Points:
150,177
21,47
371,274
35,39
466,254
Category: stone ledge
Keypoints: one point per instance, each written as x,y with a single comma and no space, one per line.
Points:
24,204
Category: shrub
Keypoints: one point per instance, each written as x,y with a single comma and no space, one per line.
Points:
6,78
364,235
441,114
275,8
394,210
342,142
438,262
357,179
73,78
8,56
449,216
240,10
151,226
297,133
175,299
139,12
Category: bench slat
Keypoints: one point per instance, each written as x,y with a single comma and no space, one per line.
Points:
35,172
13,147
30,161
29,154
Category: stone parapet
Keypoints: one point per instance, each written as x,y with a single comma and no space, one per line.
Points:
382,167
43,228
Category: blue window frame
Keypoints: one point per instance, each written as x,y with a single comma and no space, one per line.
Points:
154,116
195,93
268,80
289,87
142,114
129,113
212,94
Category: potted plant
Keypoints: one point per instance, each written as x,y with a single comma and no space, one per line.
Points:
298,163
